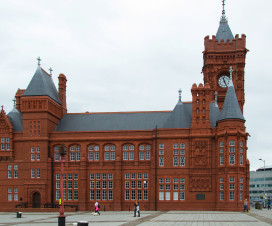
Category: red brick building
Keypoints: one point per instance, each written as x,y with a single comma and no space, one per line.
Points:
193,157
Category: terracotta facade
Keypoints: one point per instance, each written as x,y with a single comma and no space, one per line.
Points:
202,166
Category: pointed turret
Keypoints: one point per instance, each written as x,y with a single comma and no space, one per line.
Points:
231,108
15,117
42,85
224,32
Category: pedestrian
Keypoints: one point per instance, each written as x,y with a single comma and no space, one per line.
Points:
138,209
245,205
135,208
97,206
269,204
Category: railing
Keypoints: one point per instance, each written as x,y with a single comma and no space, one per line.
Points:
46,205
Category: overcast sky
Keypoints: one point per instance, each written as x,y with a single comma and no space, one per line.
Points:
134,55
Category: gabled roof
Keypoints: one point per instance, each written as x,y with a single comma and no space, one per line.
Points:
224,31
42,84
15,118
231,108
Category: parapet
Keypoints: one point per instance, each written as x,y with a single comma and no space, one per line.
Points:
238,43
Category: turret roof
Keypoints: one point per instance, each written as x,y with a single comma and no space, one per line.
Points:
42,84
231,108
16,119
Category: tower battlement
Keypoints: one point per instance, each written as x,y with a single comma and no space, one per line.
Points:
213,44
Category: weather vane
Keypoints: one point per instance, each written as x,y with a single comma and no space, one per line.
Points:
50,69
179,94
230,70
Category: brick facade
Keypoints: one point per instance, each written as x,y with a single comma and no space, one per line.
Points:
202,166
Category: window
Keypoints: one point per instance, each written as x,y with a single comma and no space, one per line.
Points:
161,161
161,195
231,179
175,161
38,173
182,160
161,152
141,147
72,156
231,186
147,155
126,194
221,143
131,147
221,186
232,143
161,146
232,149
96,156
147,147
182,195
182,145
175,146
221,159
125,147
106,155
231,159
112,155
241,143
231,195
241,159
221,150
91,194
32,173
175,195
78,156
131,155
221,195
241,196
141,155
145,194
125,155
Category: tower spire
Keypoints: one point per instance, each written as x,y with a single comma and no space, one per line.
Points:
223,11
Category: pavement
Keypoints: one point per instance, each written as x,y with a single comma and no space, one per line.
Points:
156,218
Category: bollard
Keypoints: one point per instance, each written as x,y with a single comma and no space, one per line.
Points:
82,223
19,214
104,208
129,208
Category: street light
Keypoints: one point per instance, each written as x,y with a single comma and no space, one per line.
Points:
62,152
264,180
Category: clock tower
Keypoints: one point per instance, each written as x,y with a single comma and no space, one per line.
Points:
222,52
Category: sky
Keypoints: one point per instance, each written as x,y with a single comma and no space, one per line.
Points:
134,55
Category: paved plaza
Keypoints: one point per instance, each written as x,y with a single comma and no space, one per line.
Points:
110,218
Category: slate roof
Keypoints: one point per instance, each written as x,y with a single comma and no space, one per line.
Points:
42,84
224,31
128,120
231,108
214,114
15,118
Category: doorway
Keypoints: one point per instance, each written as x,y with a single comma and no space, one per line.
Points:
36,200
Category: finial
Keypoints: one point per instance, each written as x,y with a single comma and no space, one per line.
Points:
179,94
2,108
230,70
50,69
223,11
39,61
215,99
14,102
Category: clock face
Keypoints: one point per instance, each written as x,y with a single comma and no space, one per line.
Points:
223,81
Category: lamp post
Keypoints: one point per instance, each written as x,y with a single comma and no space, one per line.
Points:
264,180
61,217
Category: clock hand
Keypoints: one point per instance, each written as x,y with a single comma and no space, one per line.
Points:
225,82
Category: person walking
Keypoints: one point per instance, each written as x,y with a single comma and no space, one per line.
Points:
269,204
245,205
138,209
96,207
135,208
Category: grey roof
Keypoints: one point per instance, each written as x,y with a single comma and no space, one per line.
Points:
112,121
231,108
180,117
224,31
15,118
42,84
214,114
